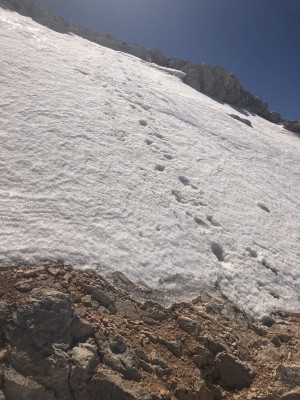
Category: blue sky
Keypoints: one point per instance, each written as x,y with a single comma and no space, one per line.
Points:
257,40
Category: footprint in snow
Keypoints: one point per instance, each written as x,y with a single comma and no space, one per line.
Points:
211,219
200,222
262,206
184,180
148,142
143,122
160,167
158,135
218,251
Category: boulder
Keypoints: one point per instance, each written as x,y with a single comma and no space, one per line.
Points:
232,373
117,355
42,322
84,359
200,391
108,385
18,387
289,374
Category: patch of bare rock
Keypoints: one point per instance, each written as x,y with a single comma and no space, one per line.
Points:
70,335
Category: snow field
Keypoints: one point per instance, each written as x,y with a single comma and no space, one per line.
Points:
111,163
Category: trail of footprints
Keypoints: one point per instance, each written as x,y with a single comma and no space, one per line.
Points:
186,197
193,200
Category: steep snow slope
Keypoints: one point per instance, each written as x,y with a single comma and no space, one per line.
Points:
108,162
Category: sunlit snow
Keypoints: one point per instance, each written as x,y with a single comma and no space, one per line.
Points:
108,162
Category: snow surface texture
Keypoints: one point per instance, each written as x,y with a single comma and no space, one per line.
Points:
108,162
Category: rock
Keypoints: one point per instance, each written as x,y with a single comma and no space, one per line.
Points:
17,387
87,300
232,372
201,357
118,345
3,354
188,325
119,356
267,354
24,286
102,298
30,273
284,338
80,329
213,346
2,397
111,387
84,359
53,271
293,395
174,346
199,392
276,341
293,126
3,312
43,321
289,374
153,338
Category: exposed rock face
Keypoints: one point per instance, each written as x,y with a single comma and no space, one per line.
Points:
56,345
212,81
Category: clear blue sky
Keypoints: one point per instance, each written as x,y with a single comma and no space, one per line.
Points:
257,40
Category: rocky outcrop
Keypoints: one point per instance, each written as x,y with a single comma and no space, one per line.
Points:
70,335
212,81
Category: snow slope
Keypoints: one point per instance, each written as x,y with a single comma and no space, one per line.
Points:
108,162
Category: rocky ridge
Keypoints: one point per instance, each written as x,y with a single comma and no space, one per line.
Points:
67,334
210,80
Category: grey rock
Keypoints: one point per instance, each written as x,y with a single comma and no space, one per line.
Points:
289,374
173,346
102,298
202,357
188,325
232,372
108,385
84,359
211,345
293,395
43,321
80,329
119,356
3,312
18,387
199,392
